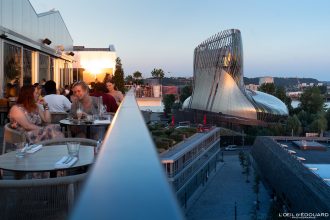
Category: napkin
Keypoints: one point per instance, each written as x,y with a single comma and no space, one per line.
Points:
61,163
33,148
102,121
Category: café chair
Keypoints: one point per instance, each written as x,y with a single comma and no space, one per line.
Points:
11,136
51,198
4,108
58,116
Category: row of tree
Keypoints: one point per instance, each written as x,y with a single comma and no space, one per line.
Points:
310,116
120,80
136,77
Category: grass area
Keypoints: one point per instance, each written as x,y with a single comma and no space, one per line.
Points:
167,137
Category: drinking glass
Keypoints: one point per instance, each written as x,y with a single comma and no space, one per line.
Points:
79,112
73,148
20,149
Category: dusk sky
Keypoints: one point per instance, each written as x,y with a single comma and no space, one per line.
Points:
285,38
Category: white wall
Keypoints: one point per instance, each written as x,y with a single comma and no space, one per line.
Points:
19,16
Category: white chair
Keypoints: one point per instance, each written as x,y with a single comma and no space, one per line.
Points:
11,136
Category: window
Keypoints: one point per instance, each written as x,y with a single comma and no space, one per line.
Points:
12,62
27,67
43,67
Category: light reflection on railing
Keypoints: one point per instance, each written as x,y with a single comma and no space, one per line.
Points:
127,180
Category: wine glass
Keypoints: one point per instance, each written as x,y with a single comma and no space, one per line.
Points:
79,112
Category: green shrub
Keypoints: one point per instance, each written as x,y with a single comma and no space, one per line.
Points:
176,136
158,132
162,144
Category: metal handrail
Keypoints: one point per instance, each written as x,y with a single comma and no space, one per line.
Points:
127,180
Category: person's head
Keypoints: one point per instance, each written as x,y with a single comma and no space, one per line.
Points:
80,89
28,97
38,87
111,86
50,87
100,87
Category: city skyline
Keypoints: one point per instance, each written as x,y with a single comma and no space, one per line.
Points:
281,39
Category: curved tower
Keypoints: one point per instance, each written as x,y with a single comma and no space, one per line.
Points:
218,80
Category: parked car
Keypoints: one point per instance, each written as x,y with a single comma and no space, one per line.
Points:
231,147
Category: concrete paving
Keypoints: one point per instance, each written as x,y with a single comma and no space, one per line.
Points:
227,187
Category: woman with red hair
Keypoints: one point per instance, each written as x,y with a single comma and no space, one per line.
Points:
28,115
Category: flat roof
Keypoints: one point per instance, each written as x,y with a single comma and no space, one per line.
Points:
186,145
309,145
311,156
322,170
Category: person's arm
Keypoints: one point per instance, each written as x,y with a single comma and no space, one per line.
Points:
17,115
66,104
44,113
120,96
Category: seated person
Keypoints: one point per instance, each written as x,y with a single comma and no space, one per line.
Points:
28,116
112,90
108,100
88,105
56,103
82,99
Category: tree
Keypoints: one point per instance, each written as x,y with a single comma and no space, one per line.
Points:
158,73
294,125
241,157
256,189
247,164
119,76
327,116
185,93
311,100
137,75
129,79
281,94
319,124
267,88
168,101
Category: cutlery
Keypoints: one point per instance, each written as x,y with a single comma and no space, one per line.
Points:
68,160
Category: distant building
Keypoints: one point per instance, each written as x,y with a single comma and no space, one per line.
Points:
252,87
94,63
218,82
266,79
167,90
294,95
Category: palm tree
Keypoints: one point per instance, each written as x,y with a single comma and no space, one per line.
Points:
158,73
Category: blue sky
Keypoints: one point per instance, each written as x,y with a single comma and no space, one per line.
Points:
285,38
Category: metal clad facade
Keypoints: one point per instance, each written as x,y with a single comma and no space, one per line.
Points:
218,81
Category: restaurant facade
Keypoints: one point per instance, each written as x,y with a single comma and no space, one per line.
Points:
32,47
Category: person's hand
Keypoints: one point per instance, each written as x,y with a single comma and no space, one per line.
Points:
14,125
42,101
